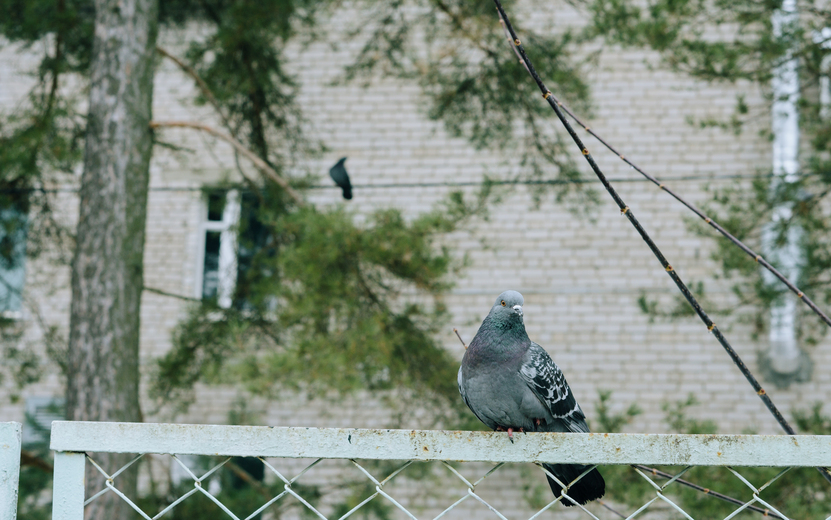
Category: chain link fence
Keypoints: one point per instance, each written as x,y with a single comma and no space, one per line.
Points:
479,470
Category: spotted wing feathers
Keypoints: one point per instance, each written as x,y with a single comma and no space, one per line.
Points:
549,384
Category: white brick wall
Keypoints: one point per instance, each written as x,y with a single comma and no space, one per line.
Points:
581,279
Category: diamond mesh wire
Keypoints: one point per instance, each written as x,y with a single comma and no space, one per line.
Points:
664,503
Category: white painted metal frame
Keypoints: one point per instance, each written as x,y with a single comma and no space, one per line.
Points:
425,445
227,228
71,440
10,433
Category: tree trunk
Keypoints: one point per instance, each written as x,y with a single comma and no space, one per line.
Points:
107,269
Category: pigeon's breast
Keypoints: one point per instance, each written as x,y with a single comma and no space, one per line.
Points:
500,398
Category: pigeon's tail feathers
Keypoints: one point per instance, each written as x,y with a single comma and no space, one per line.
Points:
347,192
590,487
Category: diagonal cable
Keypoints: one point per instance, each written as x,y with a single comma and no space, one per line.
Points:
692,207
756,492
707,491
624,209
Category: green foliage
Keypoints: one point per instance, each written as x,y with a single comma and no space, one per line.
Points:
679,30
40,144
69,21
242,487
35,487
320,308
812,421
800,493
733,40
242,63
679,422
477,87
609,422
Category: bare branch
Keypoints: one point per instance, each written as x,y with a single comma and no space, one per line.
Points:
170,294
28,458
261,165
460,337
190,71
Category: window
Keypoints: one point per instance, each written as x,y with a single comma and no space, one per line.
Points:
232,237
218,262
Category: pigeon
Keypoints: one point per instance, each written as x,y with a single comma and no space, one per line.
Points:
512,384
341,178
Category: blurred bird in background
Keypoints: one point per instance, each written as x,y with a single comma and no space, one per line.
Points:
341,178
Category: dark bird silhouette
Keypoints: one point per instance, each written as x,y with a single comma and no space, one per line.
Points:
341,178
511,384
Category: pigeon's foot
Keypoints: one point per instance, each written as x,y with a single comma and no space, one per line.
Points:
510,432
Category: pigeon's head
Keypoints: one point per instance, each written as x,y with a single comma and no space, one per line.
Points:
508,306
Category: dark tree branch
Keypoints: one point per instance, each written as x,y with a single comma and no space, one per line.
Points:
27,458
170,294
460,337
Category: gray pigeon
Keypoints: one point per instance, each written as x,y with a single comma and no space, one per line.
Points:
341,178
512,385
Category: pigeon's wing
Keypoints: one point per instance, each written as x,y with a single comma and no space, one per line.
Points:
549,384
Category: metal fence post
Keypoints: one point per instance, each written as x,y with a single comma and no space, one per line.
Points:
68,486
9,468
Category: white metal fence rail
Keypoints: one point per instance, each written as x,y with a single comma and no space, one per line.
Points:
9,468
72,441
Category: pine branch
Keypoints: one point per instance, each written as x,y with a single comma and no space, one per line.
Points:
209,95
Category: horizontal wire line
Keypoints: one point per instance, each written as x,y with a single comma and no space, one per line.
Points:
438,184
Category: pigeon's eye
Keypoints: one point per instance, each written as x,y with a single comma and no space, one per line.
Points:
503,303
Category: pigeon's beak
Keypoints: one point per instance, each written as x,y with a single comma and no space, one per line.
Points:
517,309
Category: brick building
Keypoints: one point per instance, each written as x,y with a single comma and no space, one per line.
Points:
581,279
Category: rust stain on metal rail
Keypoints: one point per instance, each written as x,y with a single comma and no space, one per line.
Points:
349,443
